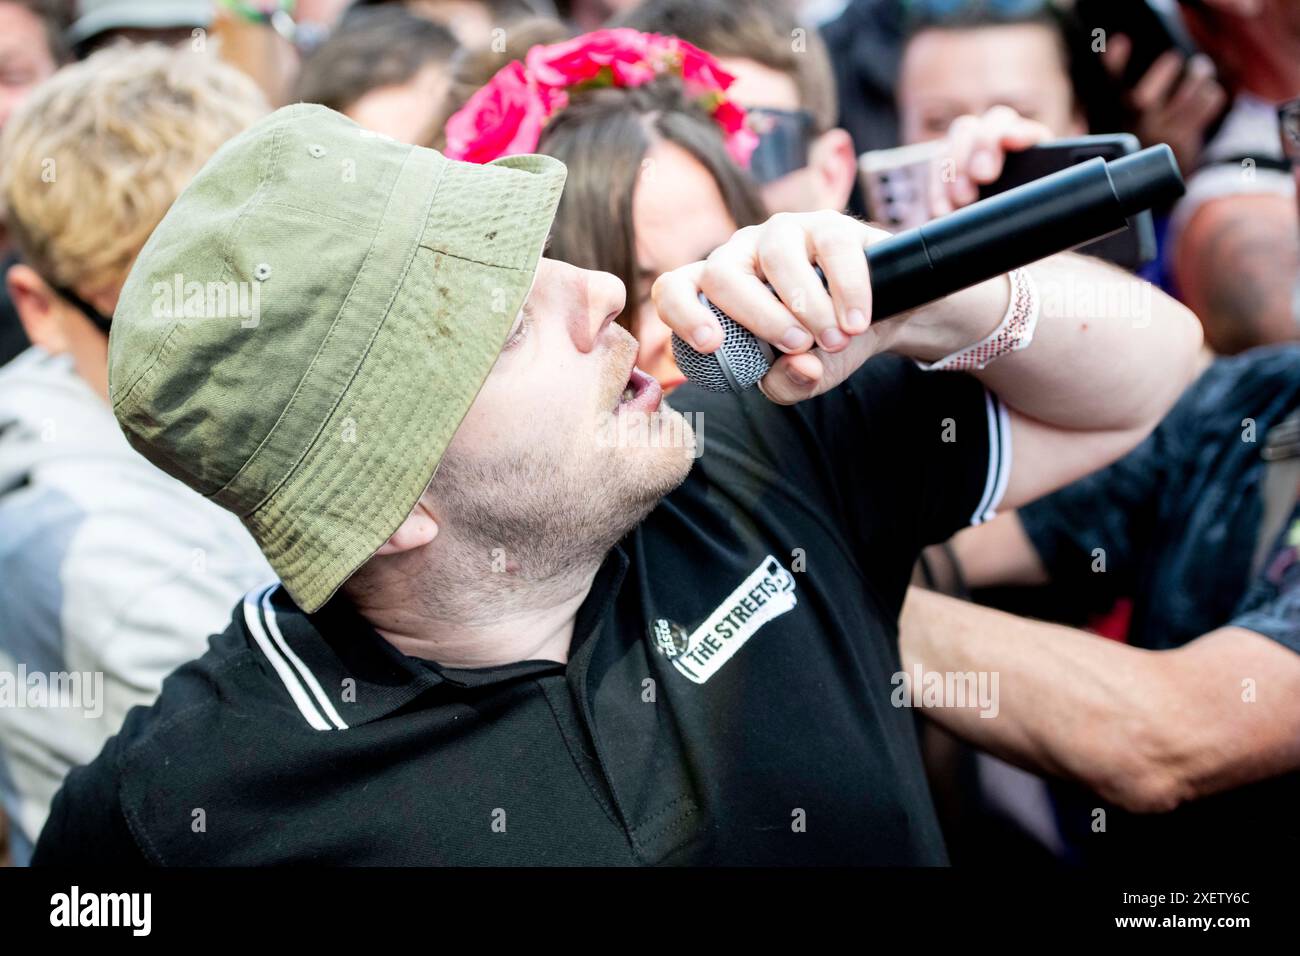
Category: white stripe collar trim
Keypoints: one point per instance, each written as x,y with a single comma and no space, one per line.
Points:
303,687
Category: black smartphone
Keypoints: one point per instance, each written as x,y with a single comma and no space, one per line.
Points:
1154,26
1130,249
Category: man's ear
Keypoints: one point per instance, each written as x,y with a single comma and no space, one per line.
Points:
38,308
418,529
835,164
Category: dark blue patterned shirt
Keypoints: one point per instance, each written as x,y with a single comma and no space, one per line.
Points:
1175,523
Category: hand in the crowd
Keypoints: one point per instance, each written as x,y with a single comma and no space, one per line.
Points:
1172,106
825,335
974,151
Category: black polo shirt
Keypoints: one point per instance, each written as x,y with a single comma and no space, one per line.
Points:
726,700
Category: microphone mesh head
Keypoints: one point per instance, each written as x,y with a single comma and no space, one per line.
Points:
738,363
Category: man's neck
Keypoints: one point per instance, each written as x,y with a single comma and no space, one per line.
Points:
538,630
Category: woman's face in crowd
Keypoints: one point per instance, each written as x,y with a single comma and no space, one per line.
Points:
679,217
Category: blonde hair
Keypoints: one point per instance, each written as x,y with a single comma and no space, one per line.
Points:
93,159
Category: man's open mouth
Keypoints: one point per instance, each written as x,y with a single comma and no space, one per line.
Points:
641,393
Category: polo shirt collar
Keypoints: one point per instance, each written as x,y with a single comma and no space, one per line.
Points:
341,672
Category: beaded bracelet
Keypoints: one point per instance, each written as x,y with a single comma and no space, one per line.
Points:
1014,332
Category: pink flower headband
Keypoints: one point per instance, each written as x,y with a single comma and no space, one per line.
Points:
507,115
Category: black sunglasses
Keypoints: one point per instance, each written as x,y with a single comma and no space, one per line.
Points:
784,138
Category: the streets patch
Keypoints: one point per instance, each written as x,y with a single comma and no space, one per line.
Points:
767,593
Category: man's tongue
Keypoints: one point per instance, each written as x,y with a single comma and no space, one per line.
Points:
633,387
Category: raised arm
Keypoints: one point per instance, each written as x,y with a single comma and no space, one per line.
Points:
1109,356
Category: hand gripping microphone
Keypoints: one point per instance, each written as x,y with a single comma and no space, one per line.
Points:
985,239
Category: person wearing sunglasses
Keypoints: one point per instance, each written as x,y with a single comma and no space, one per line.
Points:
803,161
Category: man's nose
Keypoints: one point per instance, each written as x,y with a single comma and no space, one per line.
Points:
601,298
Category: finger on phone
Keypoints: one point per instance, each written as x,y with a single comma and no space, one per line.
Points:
937,189
1158,82
1116,53
1023,134
987,154
961,141
1199,97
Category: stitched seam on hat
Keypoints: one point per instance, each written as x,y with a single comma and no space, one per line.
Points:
255,201
437,247
341,565
348,563
477,262
361,358
275,148
388,306
313,213
125,397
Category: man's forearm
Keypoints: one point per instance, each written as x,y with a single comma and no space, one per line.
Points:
1145,729
1059,710
1110,353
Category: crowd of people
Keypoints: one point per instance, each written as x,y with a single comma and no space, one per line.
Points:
306,308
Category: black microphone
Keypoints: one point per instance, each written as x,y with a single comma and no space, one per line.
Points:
1061,211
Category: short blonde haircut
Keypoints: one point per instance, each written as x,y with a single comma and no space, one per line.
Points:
93,159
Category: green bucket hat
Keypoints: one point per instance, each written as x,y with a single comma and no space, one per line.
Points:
303,333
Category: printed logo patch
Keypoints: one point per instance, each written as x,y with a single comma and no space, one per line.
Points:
668,637
767,593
